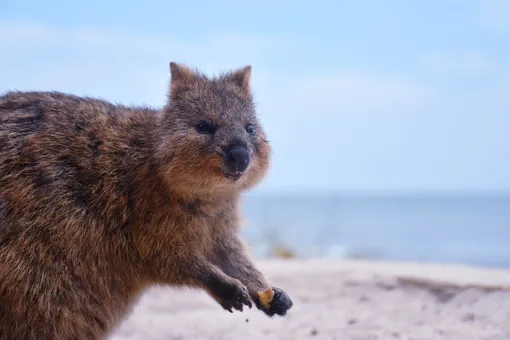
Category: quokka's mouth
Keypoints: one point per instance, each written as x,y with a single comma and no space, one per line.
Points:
233,176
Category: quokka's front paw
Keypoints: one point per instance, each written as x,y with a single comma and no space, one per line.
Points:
273,301
236,297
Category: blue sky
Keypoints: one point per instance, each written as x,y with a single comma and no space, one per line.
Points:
354,95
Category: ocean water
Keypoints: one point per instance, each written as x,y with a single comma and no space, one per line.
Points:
473,230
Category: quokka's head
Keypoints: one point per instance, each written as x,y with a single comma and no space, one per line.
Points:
211,139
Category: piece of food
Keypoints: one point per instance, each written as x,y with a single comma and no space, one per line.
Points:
265,297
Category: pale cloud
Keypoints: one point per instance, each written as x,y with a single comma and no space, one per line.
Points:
357,91
14,33
17,34
332,104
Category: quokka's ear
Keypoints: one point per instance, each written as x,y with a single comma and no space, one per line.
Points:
241,77
180,75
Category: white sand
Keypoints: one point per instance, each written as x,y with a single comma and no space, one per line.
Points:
342,300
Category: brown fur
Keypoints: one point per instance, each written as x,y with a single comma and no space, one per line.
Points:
100,201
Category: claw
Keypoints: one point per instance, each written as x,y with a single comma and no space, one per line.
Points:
237,305
238,302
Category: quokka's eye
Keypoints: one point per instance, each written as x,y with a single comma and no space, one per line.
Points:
250,128
205,128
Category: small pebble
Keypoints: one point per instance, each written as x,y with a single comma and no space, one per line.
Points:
352,321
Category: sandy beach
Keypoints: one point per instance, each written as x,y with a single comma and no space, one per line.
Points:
351,300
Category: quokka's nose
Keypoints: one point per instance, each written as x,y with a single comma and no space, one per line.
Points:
238,158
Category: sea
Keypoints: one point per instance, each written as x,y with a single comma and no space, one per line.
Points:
463,229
